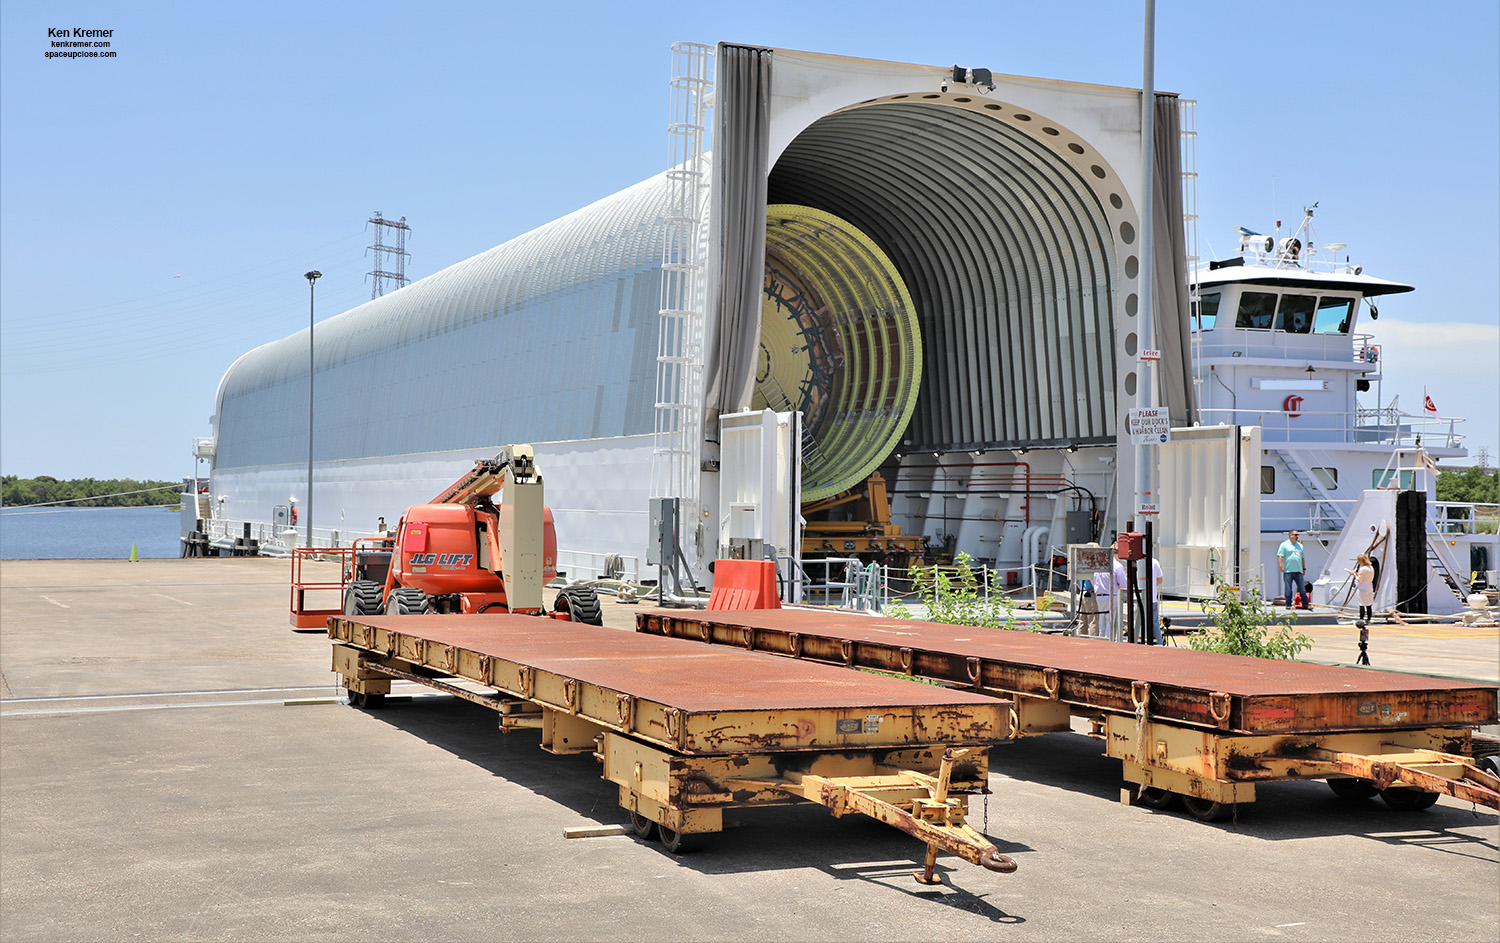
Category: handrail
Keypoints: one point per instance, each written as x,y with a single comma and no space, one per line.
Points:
1336,426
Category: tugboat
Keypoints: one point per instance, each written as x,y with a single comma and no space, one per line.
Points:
1276,345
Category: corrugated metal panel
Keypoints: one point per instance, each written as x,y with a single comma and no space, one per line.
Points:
1006,252
514,344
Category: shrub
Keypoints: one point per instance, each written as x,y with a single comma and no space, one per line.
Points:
953,595
1247,626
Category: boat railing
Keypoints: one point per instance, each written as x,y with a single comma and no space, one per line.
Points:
1308,514
1463,517
1363,426
1224,341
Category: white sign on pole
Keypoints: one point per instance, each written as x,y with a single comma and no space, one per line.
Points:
1144,508
1148,426
1150,356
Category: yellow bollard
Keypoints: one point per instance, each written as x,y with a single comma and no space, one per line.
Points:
134,557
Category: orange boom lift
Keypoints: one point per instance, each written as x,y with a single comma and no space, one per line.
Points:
486,543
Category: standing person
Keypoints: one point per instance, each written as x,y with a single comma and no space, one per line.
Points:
1122,588
1156,581
1289,562
1104,598
1364,582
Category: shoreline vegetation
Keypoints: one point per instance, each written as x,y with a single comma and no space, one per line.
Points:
1476,485
46,491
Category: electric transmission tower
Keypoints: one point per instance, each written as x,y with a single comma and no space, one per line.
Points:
397,252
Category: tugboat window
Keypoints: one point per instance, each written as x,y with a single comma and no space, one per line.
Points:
1268,479
1334,315
1386,478
1327,477
1208,311
1297,313
1257,310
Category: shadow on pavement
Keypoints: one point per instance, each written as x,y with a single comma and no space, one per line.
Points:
772,838
1282,811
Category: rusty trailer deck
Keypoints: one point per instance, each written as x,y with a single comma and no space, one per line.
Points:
687,731
1223,692
1199,724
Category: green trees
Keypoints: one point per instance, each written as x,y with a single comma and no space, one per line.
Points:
86,492
1473,485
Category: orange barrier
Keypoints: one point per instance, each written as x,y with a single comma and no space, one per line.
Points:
744,584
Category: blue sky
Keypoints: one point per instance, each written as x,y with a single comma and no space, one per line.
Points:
158,209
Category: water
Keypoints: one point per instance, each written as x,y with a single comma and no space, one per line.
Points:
88,533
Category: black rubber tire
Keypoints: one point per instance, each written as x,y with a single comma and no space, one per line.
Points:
366,702
1205,810
1490,764
1153,797
1354,789
407,601
1408,800
681,843
644,828
362,598
581,604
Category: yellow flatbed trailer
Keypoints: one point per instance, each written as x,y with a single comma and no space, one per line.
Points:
687,732
1192,727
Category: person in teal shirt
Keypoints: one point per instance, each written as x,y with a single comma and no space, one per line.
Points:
1289,562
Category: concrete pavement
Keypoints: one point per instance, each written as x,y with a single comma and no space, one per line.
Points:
154,785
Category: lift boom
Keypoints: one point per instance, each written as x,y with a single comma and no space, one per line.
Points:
490,475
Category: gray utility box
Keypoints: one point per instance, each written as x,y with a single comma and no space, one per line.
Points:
663,546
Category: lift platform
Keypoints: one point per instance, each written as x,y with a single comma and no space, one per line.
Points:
1195,727
688,732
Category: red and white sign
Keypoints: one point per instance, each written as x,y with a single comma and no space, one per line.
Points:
1292,405
1148,425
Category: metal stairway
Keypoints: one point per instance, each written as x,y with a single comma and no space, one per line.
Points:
778,402
1328,510
1441,563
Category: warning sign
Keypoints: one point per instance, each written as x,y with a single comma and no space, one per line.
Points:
1148,426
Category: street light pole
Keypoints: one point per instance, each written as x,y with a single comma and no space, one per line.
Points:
312,278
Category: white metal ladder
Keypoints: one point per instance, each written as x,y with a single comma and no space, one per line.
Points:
679,358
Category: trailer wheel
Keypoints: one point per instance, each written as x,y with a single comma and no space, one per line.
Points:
1206,810
1153,797
362,598
366,702
644,828
682,843
581,604
1408,800
407,601
1353,788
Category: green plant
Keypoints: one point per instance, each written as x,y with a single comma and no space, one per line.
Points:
954,595
1247,626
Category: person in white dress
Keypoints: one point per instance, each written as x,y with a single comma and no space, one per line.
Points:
1364,581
